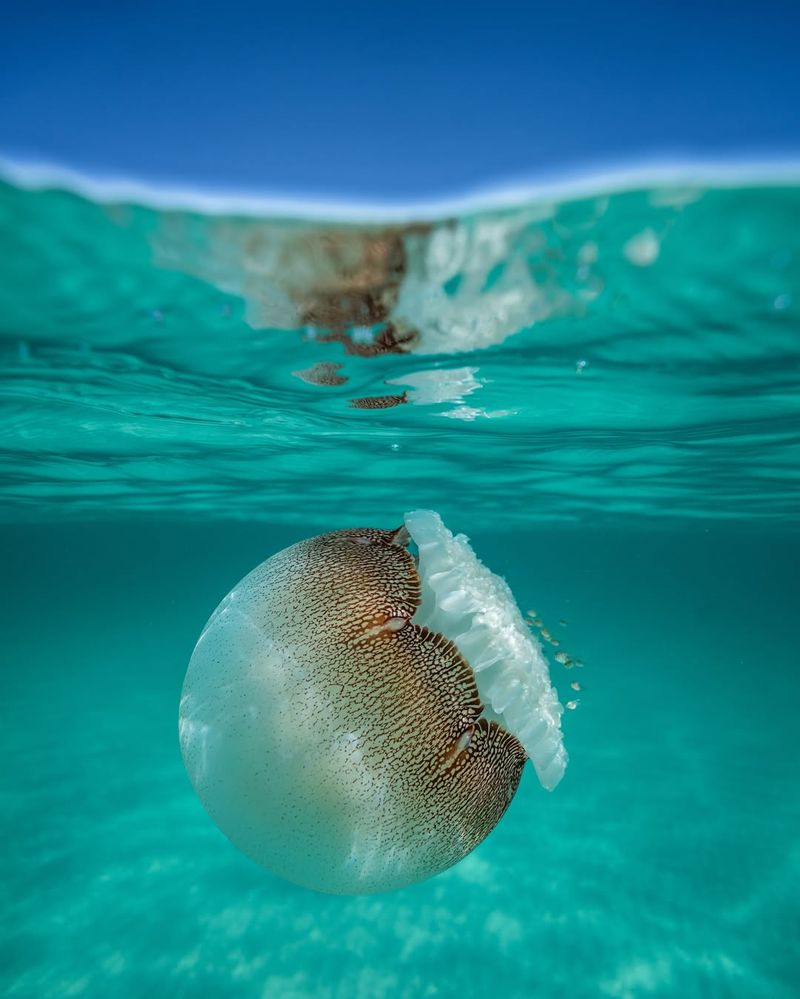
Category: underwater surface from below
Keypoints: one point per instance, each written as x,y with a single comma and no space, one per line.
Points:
622,355
602,391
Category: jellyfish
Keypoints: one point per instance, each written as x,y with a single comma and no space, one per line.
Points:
358,710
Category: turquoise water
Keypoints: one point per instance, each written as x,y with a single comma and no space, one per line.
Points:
603,392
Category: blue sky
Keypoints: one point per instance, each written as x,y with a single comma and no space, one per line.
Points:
393,100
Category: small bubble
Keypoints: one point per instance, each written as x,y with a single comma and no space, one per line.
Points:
571,705
394,447
642,249
580,365
157,315
588,253
781,302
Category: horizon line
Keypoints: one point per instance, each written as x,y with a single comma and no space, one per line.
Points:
548,186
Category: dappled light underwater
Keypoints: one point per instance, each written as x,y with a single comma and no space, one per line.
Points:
540,741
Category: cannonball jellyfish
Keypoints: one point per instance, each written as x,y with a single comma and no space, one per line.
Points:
356,715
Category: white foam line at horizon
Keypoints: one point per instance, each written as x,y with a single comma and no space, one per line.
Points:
33,175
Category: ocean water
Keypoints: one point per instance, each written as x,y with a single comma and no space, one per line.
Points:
601,389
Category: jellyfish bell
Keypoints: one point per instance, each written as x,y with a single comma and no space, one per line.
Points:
356,718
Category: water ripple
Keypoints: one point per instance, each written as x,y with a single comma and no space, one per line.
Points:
630,355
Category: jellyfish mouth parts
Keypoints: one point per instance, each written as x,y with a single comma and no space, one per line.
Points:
469,605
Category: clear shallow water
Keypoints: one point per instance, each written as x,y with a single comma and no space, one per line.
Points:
633,354
156,445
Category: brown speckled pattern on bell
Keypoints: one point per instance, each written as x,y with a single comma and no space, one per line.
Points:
379,401
334,740
322,373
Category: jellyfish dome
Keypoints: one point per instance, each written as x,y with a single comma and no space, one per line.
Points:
356,716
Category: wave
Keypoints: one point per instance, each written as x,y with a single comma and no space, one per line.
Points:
609,178
629,354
